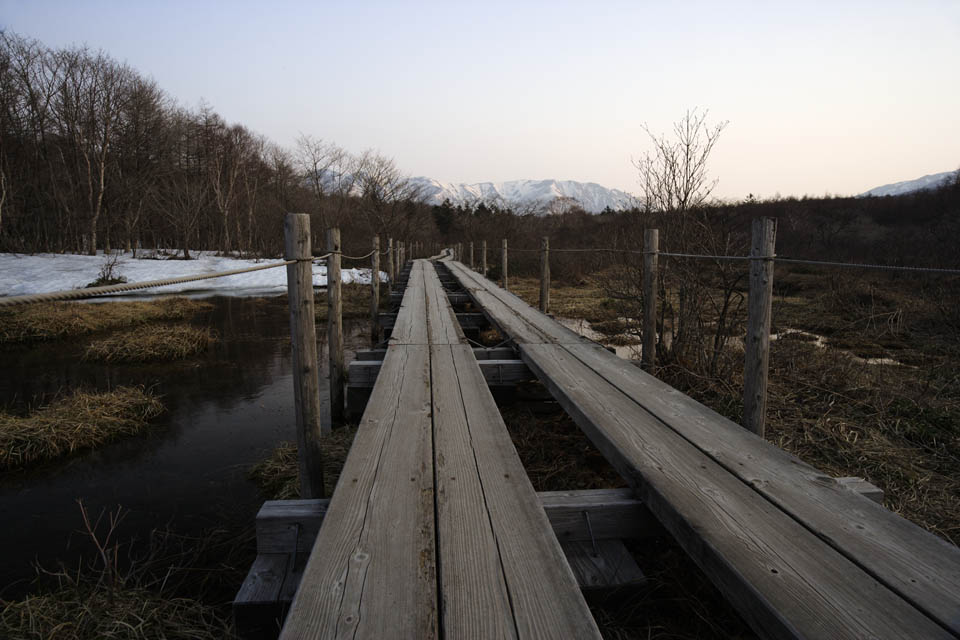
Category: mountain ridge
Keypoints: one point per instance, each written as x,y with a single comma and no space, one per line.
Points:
931,181
591,196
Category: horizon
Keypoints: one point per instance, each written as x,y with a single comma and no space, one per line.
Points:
819,101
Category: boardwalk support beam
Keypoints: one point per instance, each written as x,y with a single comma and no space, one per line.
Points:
651,247
759,310
306,369
335,327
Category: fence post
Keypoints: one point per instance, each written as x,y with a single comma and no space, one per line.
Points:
759,310
651,247
545,274
390,270
483,258
503,264
335,326
375,292
471,256
306,370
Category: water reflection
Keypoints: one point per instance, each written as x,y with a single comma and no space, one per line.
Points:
225,411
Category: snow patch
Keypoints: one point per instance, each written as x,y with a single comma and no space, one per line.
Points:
46,272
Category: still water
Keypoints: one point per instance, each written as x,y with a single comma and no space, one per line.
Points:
226,410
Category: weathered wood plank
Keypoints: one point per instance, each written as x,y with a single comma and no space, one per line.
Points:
409,327
603,565
285,526
921,567
480,353
863,488
784,580
496,372
599,514
544,596
372,571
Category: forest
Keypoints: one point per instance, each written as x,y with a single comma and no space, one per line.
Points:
94,155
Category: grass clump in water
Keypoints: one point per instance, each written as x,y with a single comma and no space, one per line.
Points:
163,343
58,320
279,478
73,423
173,586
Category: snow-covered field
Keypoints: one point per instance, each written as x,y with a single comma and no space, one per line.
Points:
22,274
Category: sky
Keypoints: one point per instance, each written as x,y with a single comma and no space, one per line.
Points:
821,97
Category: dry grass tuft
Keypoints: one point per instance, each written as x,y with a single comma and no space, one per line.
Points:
583,300
355,299
57,320
556,453
78,611
163,343
75,422
167,586
279,478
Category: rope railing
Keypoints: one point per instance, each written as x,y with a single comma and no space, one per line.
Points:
784,260
92,292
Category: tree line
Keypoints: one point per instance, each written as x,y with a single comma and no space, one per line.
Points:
95,155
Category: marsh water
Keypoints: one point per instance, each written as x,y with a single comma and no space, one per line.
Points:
225,410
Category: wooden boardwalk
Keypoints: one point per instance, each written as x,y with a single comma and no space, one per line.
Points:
797,553
434,528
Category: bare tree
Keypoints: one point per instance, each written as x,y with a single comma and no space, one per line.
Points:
674,174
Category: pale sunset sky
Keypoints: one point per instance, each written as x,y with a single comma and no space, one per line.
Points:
822,97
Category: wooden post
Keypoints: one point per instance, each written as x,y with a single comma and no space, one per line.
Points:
335,327
651,247
503,265
375,292
759,310
471,255
483,258
306,370
390,270
545,274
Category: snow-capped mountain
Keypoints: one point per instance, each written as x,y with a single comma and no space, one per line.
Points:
909,186
589,195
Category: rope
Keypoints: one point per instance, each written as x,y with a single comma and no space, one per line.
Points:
698,256
886,267
80,294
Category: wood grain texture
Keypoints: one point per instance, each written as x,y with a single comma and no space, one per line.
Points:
891,556
372,571
337,368
920,566
651,247
785,581
545,600
759,312
604,565
612,513
306,367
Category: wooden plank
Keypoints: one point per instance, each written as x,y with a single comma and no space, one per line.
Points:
464,320
545,600
476,602
372,571
264,580
409,327
513,311
444,327
597,514
288,526
863,488
921,567
480,353
496,372
785,581
604,565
